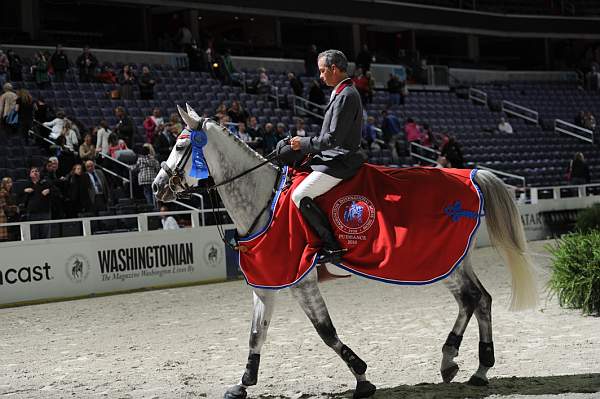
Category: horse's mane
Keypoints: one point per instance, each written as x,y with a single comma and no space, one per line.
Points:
243,145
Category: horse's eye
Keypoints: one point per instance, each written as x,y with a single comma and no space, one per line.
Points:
180,147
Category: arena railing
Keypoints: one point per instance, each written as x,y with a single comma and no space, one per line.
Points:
563,192
520,111
477,95
581,133
83,226
416,150
304,108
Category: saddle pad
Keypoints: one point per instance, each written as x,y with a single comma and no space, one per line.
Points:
401,226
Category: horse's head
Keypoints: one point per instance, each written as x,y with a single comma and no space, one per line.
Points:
173,177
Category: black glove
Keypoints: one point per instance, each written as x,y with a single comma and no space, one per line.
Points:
285,154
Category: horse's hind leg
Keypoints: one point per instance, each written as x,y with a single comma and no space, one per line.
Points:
471,298
264,302
309,297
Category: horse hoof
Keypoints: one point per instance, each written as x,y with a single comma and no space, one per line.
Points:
236,392
364,389
478,382
449,373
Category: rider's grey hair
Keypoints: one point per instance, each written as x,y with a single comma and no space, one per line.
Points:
336,57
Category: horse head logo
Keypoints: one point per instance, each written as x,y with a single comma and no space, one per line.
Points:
77,269
213,253
354,213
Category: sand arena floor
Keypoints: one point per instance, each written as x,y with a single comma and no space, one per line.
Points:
192,343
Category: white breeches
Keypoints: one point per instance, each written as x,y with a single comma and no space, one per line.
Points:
315,184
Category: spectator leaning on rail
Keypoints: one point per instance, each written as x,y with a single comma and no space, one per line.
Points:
336,151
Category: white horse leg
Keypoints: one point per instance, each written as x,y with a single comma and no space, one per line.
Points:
264,303
471,298
309,297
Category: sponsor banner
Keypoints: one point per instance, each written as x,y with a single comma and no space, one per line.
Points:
79,266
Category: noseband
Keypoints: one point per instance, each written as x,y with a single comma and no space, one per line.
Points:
177,175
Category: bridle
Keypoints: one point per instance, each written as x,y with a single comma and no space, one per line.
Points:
177,180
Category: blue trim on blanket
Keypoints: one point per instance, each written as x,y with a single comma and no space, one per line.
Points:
456,264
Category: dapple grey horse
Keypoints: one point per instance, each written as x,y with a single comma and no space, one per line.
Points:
245,199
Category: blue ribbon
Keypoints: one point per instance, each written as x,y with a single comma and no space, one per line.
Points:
199,167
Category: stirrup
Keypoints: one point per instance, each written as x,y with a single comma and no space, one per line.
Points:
330,255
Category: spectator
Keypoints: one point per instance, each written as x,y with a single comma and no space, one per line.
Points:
589,121
168,222
96,188
175,126
452,152
369,132
310,62
316,95
41,110
361,82
394,88
412,131
221,110
87,150
24,108
364,58
102,137
8,103
4,68
107,75
197,59
39,69
269,139
578,171
3,217
236,113
11,208
36,203
228,67
87,64
371,86
127,80
299,128
15,66
263,83
225,121
164,142
77,193
71,141
254,129
281,131
184,38
427,137
113,145
505,127
56,125
59,63
153,124
147,167
116,146
242,134
296,85
146,84
391,127
125,128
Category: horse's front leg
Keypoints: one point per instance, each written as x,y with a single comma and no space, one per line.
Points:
264,302
309,297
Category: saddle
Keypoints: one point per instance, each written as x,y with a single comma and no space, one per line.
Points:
400,226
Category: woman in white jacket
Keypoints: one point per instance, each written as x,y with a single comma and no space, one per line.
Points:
56,125
71,140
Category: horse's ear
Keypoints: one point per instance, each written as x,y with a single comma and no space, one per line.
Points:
191,112
189,121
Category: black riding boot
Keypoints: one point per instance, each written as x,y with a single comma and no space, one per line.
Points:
332,251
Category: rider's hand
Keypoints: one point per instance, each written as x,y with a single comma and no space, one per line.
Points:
295,143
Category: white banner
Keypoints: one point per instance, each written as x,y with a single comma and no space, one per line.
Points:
80,266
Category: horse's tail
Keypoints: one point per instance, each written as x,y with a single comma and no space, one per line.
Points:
506,234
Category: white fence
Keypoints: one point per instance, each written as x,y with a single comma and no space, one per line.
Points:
581,133
522,112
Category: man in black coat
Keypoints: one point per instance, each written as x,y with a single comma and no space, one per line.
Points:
335,152
60,64
87,64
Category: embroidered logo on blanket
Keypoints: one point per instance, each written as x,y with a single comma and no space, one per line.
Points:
353,215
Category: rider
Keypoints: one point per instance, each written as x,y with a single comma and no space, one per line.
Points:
336,151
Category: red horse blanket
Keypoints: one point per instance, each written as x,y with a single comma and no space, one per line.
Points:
402,226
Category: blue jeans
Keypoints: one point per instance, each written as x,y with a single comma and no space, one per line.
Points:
149,194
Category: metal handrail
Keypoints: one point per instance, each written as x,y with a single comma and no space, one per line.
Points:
481,93
307,103
501,173
535,119
589,132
